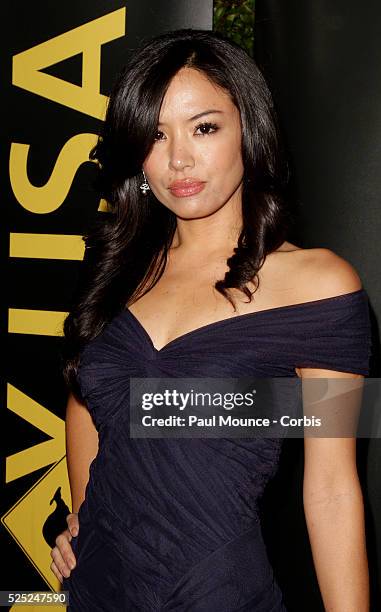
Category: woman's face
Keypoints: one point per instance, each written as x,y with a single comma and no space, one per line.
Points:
205,149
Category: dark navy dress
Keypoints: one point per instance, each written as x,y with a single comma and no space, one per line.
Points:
173,524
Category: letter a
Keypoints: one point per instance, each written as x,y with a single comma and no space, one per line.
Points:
87,40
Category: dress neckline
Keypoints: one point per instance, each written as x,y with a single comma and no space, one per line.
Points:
246,315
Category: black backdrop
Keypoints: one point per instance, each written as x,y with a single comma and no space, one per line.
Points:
322,60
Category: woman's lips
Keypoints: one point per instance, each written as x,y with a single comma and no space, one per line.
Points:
182,191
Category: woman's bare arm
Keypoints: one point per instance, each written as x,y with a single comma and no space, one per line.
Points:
81,450
334,512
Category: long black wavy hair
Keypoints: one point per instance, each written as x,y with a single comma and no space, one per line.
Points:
126,250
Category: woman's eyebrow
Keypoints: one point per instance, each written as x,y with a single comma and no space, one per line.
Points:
207,112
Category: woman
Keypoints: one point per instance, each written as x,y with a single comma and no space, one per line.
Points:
191,165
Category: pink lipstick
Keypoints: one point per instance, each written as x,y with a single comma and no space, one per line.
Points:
186,187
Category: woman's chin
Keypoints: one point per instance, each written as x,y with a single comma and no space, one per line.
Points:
195,212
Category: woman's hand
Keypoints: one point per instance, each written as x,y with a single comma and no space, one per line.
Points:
62,554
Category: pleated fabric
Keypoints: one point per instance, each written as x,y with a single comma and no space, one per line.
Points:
174,524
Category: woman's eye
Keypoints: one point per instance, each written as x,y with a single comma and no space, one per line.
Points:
207,126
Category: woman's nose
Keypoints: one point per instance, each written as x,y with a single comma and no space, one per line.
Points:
180,156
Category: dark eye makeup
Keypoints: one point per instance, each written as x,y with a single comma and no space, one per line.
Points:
208,125
205,125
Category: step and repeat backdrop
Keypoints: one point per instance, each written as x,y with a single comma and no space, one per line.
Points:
58,62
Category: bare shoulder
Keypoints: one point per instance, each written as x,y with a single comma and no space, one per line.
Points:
323,273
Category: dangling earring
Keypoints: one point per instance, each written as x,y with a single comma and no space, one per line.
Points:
144,186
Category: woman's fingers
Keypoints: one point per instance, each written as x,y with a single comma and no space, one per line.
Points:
62,554
73,523
56,571
59,563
